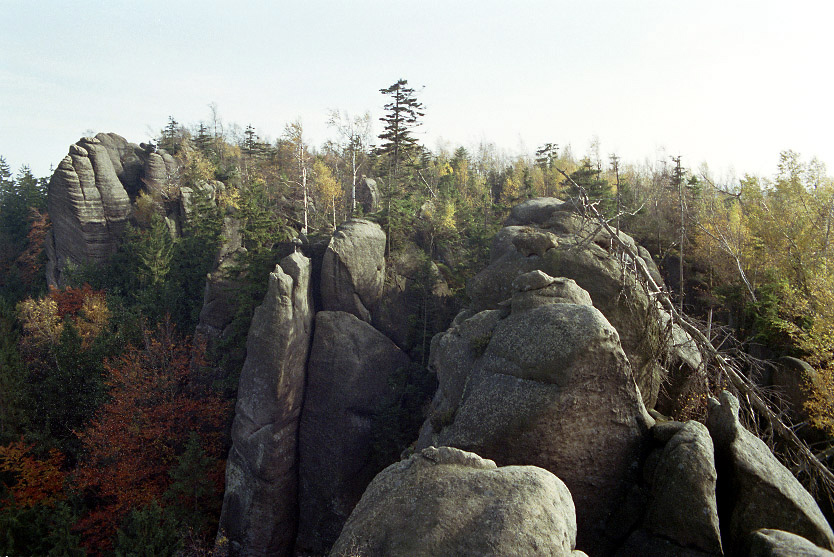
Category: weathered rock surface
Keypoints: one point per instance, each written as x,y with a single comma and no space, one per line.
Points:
548,234
88,207
536,289
353,270
367,194
259,506
446,502
350,378
89,199
761,492
550,387
776,543
218,310
683,506
159,172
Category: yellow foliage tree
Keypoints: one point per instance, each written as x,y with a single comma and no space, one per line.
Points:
326,188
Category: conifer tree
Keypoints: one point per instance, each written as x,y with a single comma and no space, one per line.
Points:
399,144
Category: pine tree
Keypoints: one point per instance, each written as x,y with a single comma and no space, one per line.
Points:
399,144
170,136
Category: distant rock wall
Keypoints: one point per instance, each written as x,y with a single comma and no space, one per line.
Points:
89,198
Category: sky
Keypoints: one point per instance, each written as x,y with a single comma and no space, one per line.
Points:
730,83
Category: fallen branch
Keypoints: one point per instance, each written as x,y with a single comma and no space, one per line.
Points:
738,381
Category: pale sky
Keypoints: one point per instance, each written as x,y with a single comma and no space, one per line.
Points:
729,83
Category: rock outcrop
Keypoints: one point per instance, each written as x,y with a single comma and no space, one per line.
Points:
759,491
350,378
367,194
534,377
88,206
260,503
443,501
90,194
551,388
683,506
353,269
550,235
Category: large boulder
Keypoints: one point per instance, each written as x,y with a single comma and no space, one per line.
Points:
350,378
548,386
259,513
682,505
159,171
88,206
367,194
353,269
446,502
761,491
550,235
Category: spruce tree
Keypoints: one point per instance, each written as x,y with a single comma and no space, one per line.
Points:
399,144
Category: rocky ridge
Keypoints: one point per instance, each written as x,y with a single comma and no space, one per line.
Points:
538,389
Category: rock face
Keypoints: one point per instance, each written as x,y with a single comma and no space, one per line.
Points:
683,505
547,386
443,501
89,198
683,361
353,269
760,492
776,543
350,378
367,194
88,207
548,234
259,506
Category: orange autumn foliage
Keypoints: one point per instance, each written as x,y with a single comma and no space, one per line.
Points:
43,319
27,261
31,480
135,439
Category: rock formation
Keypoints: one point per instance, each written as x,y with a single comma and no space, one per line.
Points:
367,195
537,440
759,491
550,235
776,543
89,198
259,506
683,506
443,501
88,207
353,269
551,388
350,376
